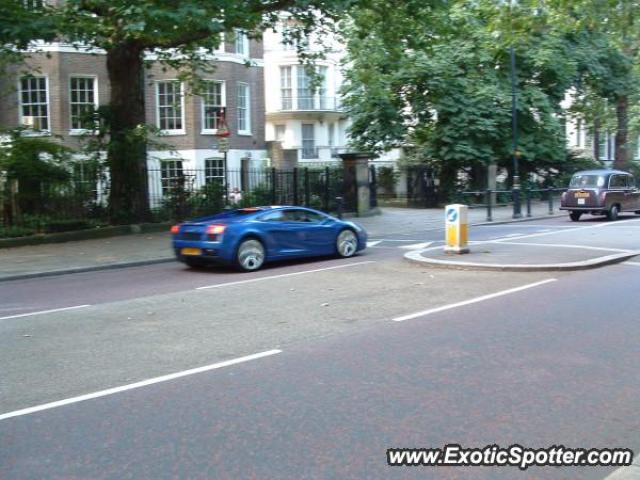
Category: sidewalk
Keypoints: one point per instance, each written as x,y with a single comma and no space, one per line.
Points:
148,248
580,246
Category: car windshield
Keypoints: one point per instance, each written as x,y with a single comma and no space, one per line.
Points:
581,181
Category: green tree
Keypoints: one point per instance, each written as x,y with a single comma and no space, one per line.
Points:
26,163
20,23
181,35
610,64
436,77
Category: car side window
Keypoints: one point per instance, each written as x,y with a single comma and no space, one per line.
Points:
277,216
314,217
631,182
618,181
296,215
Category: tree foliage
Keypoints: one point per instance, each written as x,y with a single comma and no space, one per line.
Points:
182,35
436,76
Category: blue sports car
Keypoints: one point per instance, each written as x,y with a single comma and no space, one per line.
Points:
248,237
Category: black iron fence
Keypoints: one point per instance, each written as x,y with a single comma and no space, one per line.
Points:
174,194
177,195
489,199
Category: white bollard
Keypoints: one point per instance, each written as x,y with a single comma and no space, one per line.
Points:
456,229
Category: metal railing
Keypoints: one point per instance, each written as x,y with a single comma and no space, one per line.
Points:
173,194
310,103
489,199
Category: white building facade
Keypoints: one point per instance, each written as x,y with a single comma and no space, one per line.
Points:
310,121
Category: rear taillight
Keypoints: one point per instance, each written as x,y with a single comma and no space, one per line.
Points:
214,232
175,230
216,229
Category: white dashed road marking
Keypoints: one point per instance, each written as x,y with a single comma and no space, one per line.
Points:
143,383
416,246
472,300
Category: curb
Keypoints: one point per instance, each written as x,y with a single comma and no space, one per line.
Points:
94,268
78,235
417,258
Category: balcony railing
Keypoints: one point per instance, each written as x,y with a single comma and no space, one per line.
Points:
314,103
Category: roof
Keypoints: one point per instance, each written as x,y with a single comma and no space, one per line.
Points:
602,171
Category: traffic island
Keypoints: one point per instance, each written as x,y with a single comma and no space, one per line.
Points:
515,257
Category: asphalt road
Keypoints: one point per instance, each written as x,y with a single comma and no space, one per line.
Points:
553,364
38,294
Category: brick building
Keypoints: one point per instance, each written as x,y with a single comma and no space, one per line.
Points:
58,83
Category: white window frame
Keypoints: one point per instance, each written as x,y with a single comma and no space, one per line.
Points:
82,131
286,85
208,179
31,4
203,106
242,37
176,168
247,129
304,153
179,131
21,117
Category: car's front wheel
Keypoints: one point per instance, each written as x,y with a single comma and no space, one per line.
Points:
575,216
612,213
250,255
347,243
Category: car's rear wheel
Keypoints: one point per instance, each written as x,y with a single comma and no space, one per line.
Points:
575,216
612,213
347,243
250,255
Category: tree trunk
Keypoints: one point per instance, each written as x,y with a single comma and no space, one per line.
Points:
448,176
127,151
622,150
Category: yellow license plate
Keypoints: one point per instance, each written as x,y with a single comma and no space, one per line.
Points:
191,251
581,195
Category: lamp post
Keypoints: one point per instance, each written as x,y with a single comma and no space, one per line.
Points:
517,213
222,134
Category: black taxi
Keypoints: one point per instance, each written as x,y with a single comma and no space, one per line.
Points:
601,192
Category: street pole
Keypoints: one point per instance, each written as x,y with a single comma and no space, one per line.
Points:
514,126
223,134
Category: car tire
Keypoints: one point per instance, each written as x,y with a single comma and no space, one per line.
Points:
637,212
346,243
612,213
250,255
194,263
575,216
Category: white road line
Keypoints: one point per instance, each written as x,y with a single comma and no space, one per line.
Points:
512,235
542,234
562,245
374,243
416,246
42,312
634,264
143,383
396,240
630,472
472,300
272,277
536,225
